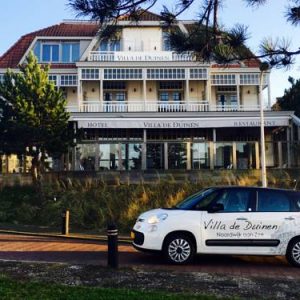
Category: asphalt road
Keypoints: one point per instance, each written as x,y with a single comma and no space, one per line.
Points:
63,250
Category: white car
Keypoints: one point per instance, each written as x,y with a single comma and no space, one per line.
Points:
224,220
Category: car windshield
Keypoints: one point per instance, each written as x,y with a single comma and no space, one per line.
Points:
191,201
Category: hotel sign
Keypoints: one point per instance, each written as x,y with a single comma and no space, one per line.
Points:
143,56
188,123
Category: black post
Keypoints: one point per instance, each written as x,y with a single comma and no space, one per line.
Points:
65,222
112,243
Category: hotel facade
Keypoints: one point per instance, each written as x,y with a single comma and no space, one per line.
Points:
143,106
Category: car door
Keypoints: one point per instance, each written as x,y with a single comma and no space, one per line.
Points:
273,222
223,230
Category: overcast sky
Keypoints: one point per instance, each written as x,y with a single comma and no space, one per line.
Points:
18,17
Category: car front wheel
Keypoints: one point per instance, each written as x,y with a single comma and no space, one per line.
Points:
179,249
293,253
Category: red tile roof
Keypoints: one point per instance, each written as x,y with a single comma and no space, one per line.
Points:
12,57
142,15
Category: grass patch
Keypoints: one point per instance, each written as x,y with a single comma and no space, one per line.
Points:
13,290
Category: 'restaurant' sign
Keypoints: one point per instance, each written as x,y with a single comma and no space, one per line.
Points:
190,123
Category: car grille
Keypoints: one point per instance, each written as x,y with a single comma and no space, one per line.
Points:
138,238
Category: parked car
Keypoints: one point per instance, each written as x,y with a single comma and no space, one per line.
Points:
224,220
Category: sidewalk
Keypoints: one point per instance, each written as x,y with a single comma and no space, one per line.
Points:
94,252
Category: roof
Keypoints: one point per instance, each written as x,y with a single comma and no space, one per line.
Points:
11,58
140,15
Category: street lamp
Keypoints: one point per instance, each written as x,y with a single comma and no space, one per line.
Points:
263,68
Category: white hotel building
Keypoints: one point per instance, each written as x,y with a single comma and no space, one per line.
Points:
143,106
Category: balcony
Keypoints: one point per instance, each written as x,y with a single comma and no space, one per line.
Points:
132,56
157,107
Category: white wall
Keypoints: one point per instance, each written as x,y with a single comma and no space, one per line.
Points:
197,91
142,39
249,95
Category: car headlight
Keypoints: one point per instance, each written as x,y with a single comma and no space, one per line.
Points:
157,218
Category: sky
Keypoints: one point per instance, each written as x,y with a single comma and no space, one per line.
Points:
19,17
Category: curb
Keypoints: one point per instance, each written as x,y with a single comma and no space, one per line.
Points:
100,238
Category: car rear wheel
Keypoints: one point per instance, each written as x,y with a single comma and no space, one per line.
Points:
293,253
179,249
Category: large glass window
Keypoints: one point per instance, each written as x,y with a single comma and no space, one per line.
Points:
109,157
272,201
224,155
155,156
177,157
50,53
86,154
200,156
132,156
245,156
70,52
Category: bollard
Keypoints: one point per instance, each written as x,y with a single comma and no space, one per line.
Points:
65,222
112,243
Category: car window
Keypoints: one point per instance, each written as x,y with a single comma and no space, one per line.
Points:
205,202
272,201
235,200
295,198
192,201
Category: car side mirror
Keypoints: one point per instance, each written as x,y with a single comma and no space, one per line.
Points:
216,207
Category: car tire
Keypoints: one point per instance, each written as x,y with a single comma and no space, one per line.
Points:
293,253
179,249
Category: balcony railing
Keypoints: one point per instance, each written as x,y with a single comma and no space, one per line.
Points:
158,106
140,56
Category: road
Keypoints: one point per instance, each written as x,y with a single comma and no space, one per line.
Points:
64,250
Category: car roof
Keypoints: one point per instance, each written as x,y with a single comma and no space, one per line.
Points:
255,187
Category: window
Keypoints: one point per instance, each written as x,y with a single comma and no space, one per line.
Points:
235,200
68,80
123,74
53,78
166,41
198,73
114,85
1,77
70,52
223,79
164,96
90,74
110,45
249,79
165,73
272,201
50,53
170,85
120,96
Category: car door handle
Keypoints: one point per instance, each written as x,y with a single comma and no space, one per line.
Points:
289,219
241,219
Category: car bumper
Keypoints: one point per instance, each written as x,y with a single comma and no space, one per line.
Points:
145,238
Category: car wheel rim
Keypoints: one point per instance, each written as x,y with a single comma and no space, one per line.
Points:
296,252
179,250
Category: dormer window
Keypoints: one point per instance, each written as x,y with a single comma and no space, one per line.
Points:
50,52
110,45
166,41
58,52
70,52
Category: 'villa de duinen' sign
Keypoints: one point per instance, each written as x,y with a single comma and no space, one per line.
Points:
154,124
